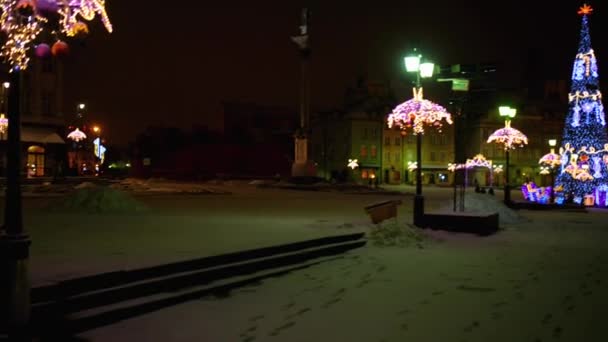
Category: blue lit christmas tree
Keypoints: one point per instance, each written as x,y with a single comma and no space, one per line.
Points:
583,175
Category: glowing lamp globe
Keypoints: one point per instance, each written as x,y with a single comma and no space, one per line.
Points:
426,69
507,112
43,50
60,49
412,62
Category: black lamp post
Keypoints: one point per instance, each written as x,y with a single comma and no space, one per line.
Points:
424,70
508,113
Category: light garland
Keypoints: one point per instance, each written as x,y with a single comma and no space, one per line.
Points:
22,29
509,137
86,9
417,113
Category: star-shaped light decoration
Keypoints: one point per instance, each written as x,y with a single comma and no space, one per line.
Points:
77,135
497,168
412,166
585,10
416,113
455,166
3,123
509,137
353,163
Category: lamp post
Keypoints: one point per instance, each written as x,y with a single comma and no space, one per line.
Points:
509,137
550,161
22,24
423,70
507,113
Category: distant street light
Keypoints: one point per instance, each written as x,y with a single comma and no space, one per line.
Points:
509,138
550,162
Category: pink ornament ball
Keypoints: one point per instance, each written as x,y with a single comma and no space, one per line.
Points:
47,7
60,49
43,50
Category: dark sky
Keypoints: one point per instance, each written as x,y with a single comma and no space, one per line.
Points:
173,65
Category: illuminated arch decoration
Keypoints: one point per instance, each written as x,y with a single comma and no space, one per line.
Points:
417,113
77,135
22,27
479,161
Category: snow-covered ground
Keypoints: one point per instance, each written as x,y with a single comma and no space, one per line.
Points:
71,244
542,278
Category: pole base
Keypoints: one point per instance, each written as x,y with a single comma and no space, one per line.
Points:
507,199
419,211
14,285
307,169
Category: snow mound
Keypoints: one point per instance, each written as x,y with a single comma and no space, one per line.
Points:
484,203
393,233
100,200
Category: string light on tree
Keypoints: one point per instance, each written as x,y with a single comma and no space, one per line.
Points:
23,20
583,156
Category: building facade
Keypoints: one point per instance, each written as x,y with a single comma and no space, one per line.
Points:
43,124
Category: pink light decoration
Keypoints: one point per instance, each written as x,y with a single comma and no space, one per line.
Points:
3,123
509,137
417,112
77,135
479,161
551,159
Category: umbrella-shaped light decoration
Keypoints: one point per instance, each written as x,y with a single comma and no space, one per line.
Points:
551,159
77,135
3,123
509,137
417,112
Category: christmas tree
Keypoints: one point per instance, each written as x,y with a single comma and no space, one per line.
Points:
584,148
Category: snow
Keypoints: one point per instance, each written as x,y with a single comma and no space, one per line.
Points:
541,283
540,279
483,204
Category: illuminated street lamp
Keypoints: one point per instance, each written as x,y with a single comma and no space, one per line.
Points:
417,113
510,138
550,162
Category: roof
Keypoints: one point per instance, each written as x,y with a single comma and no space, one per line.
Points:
39,135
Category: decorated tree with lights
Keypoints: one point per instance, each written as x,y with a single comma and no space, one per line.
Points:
584,150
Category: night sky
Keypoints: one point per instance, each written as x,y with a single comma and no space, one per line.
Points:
174,65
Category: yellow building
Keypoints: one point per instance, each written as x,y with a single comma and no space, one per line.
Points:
399,156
